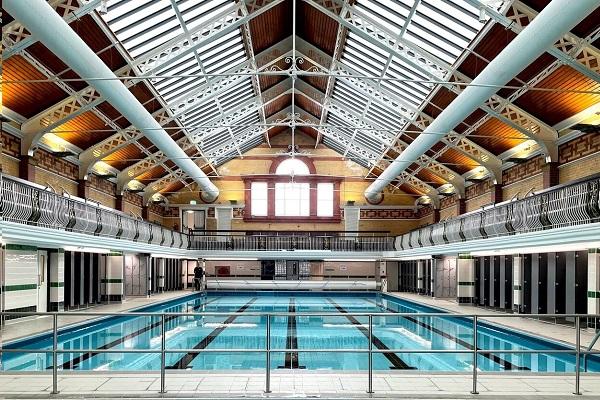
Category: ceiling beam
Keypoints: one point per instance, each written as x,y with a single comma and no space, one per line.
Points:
130,173
436,69
16,38
571,50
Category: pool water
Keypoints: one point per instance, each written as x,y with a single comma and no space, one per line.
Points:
341,331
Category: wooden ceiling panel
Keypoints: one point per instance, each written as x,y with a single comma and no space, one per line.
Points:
113,114
496,136
278,105
409,189
457,161
276,130
583,29
555,106
267,81
486,50
27,99
439,101
271,26
316,27
319,82
430,178
151,175
124,157
308,105
84,131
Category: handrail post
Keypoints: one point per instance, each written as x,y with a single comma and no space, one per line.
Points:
370,390
162,353
474,391
268,353
54,354
577,354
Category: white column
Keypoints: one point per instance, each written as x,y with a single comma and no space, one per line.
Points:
420,276
113,278
57,280
160,267
593,289
383,275
465,267
518,282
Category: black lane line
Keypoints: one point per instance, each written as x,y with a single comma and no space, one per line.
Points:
507,365
291,357
396,361
74,363
185,361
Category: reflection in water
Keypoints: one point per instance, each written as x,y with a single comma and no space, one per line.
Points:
311,332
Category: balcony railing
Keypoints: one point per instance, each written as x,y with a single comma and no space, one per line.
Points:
30,204
291,241
572,204
24,203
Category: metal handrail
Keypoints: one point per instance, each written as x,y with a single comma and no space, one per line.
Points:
475,351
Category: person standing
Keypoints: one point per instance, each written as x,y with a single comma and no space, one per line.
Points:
198,275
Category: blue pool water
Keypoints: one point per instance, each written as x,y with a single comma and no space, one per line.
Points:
299,332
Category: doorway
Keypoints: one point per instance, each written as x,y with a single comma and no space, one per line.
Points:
42,297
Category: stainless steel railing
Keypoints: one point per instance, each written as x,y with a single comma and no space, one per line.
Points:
475,351
278,242
575,203
25,203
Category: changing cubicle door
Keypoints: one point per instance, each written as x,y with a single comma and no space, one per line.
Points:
42,303
292,271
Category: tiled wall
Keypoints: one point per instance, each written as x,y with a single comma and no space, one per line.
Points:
20,278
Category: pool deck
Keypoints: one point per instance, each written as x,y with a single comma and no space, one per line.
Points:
293,384
300,383
15,329
558,332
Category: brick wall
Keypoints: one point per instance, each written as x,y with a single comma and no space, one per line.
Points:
579,158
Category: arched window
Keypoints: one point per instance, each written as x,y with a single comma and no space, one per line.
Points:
292,199
292,191
292,166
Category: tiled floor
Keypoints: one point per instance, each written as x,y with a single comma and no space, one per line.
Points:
32,325
296,384
550,330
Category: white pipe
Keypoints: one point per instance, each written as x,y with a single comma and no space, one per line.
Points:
548,27
50,29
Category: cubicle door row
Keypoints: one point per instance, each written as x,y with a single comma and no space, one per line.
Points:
407,276
82,279
494,282
173,275
552,283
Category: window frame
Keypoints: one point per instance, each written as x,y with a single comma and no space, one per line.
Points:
313,180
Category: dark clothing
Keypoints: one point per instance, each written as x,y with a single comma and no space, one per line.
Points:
198,274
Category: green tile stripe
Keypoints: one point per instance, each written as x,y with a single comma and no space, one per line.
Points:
57,284
465,257
517,287
466,283
593,295
20,247
112,280
594,251
115,253
15,288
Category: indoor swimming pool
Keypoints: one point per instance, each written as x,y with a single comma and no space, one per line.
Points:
288,332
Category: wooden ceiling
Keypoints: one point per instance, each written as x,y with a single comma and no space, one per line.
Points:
551,107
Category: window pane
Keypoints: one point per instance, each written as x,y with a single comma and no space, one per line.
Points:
292,166
292,199
325,199
259,199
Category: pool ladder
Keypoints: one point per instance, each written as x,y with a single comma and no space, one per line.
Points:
589,348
